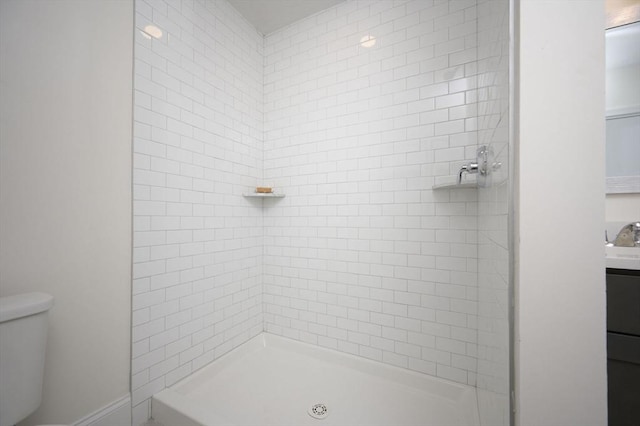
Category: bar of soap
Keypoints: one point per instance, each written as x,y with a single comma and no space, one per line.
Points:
264,190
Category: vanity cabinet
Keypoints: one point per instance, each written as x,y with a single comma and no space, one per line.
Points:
623,346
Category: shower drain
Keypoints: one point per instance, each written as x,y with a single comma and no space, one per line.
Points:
318,411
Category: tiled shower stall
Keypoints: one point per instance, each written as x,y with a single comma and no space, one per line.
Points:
362,255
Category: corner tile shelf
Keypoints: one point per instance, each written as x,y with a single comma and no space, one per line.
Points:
263,195
470,185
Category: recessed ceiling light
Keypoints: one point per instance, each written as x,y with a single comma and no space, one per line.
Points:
152,31
368,41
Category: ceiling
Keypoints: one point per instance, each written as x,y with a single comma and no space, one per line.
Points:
622,12
268,16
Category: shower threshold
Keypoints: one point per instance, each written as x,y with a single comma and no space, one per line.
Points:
272,380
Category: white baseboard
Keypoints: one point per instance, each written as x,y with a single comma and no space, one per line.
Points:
117,413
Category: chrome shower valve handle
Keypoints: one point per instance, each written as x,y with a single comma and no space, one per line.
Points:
483,166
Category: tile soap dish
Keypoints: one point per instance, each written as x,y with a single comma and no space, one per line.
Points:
263,192
263,195
471,185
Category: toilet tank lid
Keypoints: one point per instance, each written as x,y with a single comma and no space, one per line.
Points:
22,305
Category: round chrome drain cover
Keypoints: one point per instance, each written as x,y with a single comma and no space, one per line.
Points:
318,411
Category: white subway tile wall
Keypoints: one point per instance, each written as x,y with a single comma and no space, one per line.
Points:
362,255
198,135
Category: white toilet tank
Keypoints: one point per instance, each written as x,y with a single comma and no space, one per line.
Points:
23,338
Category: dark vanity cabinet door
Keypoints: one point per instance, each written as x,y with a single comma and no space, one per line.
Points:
623,346
623,301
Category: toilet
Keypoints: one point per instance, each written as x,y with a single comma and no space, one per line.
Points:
23,338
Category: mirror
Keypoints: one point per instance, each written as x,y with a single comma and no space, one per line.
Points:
623,109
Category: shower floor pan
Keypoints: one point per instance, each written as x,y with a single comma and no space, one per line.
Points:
271,380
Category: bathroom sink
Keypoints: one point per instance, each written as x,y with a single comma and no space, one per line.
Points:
622,257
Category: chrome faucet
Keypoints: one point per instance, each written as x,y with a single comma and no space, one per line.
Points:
629,236
470,168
